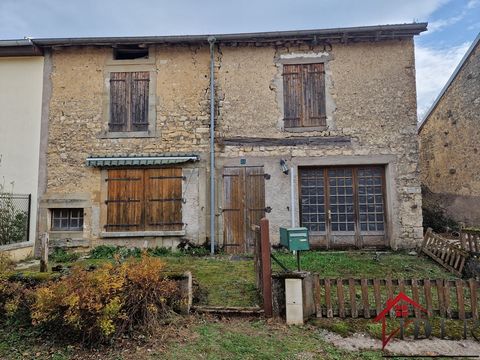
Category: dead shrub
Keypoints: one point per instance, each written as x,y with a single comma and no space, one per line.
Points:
6,263
15,301
97,305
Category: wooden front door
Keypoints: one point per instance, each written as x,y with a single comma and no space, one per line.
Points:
343,207
243,207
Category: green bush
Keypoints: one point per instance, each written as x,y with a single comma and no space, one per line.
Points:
435,218
122,253
60,255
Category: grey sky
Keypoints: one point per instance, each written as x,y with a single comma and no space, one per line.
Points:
437,52
58,18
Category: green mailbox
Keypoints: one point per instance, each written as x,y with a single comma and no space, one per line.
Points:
294,239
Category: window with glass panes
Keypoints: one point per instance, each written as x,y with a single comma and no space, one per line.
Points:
342,199
67,219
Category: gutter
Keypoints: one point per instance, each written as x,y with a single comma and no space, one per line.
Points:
211,40
361,33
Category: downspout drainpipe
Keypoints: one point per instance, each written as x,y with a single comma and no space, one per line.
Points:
292,195
211,41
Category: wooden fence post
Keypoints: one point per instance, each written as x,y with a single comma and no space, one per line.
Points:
266,267
44,253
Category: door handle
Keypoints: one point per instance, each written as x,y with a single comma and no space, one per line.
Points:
329,214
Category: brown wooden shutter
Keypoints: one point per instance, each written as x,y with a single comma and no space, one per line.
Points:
139,101
314,85
234,210
292,95
163,195
304,95
125,203
255,202
118,101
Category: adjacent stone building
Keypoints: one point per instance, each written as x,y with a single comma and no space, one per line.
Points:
450,143
314,128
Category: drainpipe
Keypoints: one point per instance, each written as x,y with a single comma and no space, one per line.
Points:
211,41
292,195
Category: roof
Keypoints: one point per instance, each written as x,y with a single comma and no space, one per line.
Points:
148,160
450,81
349,34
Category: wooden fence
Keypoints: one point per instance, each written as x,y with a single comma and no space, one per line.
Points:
453,299
262,265
470,240
445,252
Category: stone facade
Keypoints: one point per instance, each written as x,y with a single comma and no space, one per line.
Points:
371,101
449,148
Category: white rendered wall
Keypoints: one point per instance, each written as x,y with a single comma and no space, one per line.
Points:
20,112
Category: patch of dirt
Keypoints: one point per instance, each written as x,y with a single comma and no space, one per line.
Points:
422,347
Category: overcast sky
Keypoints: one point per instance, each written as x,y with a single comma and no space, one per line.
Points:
454,24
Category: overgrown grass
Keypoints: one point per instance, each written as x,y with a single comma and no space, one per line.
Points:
346,327
192,338
258,340
364,264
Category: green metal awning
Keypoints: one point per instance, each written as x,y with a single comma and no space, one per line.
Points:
107,161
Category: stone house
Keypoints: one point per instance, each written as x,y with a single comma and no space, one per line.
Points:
21,73
449,143
314,128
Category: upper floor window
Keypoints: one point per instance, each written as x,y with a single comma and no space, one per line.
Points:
129,101
130,52
304,95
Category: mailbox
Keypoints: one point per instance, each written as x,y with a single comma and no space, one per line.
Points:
294,238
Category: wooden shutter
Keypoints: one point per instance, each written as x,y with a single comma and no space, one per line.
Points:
292,95
125,203
139,101
163,199
255,202
234,210
304,95
314,85
118,101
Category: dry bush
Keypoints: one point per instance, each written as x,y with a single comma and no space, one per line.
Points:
6,263
97,305
15,301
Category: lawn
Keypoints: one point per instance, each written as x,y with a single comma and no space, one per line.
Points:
365,264
227,282
189,338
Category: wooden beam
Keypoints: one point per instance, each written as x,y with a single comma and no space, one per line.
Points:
291,141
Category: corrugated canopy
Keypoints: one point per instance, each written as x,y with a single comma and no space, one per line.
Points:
107,161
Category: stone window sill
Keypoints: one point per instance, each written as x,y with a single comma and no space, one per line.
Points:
306,129
122,234
16,246
130,134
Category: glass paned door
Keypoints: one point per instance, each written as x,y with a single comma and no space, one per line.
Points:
341,207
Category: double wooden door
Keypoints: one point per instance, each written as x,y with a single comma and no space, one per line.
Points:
343,206
243,207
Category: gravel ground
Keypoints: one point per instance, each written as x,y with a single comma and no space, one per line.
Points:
423,347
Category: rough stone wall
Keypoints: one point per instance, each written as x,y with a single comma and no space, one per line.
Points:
371,90
449,146
76,121
372,87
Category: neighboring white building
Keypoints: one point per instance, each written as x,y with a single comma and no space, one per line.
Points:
20,121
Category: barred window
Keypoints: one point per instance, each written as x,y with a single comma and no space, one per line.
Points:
67,219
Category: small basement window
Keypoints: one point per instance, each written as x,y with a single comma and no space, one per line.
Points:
130,52
67,219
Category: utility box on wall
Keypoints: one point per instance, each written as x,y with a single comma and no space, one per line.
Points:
295,239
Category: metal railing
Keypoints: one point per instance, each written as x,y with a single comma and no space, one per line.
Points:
15,211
